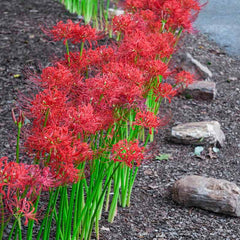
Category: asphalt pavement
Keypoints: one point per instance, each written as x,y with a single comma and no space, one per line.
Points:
220,19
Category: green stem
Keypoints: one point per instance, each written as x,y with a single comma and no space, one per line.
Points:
90,200
12,230
81,49
2,217
68,221
113,207
46,117
31,222
19,228
67,49
132,179
100,199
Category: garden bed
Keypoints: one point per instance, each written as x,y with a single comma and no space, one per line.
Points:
152,214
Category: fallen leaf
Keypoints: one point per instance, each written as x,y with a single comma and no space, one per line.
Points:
198,150
215,149
148,172
211,154
152,186
163,157
105,229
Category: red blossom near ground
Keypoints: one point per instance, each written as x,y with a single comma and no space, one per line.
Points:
24,176
51,100
58,143
58,76
153,68
21,207
184,78
20,185
129,153
147,119
73,32
164,90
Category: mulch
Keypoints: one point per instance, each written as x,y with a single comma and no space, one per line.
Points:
153,214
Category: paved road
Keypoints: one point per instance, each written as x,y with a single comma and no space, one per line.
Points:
220,19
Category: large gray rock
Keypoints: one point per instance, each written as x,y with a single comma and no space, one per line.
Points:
192,65
198,133
204,90
211,194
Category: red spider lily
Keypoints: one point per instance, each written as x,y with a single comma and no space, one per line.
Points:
21,207
51,100
152,21
12,173
110,89
163,44
90,61
175,13
54,140
129,74
83,120
73,32
58,76
25,177
127,23
122,22
153,68
147,119
184,78
135,46
20,119
67,174
37,179
177,16
128,153
165,90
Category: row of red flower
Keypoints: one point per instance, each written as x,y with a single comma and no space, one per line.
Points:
92,91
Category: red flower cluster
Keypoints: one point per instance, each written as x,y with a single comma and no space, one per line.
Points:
73,32
128,153
20,184
175,14
184,78
147,119
165,90
88,93
84,93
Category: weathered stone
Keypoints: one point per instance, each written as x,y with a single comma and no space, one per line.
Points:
198,133
205,90
211,194
192,65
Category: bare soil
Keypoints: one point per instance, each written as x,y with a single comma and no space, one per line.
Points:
153,214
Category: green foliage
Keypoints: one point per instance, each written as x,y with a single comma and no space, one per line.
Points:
95,11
